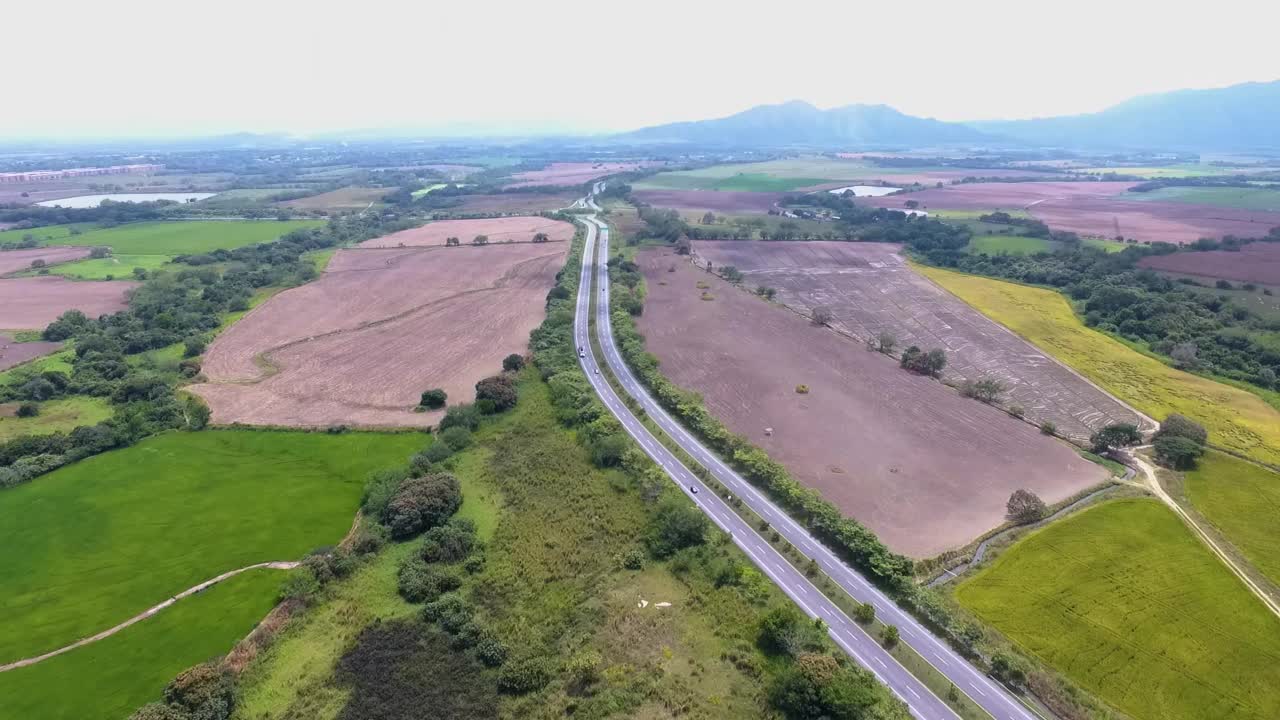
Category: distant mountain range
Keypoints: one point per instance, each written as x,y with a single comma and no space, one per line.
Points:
1245,116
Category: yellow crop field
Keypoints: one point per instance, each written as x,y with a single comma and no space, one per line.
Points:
1236,419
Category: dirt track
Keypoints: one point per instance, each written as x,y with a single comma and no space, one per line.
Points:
924,468
359,345
32,303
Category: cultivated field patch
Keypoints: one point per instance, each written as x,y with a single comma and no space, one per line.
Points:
61,415
12,261
14,353
924,468
115,267
1257,262
179,237
572,173
498,230
1101,209
1122,599
347,198
92,544
116,675
359,345
34,302
1242,501
1244,198
1236,419
515,202
869,289
716,201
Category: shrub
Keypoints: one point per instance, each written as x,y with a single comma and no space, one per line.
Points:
99,252
802,389
28,409
675,525
1009,669
1025,507
1017,411
205,691
301,585
159,711
379,488
194,346
523,676
865,613
1048,427
783,630
491,651
925,363
889,636
465,415
513,362
434,399
449,543
500,390
437,453
369,539
422,503
1177,452
1180,426
419,582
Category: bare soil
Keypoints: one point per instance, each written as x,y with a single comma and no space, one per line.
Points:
34,302
359,345
515,202
924,468
870,288
499,230
1097,209
12,261
572,173
15,353
729,201
1257,263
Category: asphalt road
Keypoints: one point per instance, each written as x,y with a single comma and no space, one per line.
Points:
866,651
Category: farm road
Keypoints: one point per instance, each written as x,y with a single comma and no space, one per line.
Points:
274,565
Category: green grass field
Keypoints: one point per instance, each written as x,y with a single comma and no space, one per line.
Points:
428,189
1228,197
1242,500
1164,171
54,362
110,678
1236,419
167,238
771,176
96,542
1122,599
116,267
62,415
1110,246
1008,245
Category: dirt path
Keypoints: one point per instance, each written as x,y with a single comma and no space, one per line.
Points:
278,565
1152,484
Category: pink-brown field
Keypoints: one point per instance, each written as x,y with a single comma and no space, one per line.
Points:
729,201
573,173
1254,263
359,345
924,468
524,202
12,261
1096,209
15,353
34,302
498,230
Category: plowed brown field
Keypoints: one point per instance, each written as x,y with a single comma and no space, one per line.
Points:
499,230
1257,263
515,202
15,353
570,173
924,468
727,201
12,261
34,302
1095,209
359,345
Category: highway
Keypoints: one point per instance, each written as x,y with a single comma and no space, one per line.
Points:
843,630
866,651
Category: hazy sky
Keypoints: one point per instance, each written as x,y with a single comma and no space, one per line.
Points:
134,67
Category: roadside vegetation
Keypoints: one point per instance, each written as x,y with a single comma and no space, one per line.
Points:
1236,419
1129,605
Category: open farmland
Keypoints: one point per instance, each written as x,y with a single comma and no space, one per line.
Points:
498,230
12,261
177,237
1122,599
359,345
870,288
113,267
924,468
60,415
14,353
572,173
1244,198
32,303
92,544
1101,209
514,202
116,675
1242,501
716,201
1257,262
347,198
1236,419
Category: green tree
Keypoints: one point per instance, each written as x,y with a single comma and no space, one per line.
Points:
513,362
500,390
422,503
434,399
1177,452
28,410
1181,426
1025,507
889,636
452,242
524,676
988,390
675,525
480,240
784,631
1115,436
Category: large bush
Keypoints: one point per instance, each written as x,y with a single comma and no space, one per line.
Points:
422,503
675,525
451,542
500,390
1180,426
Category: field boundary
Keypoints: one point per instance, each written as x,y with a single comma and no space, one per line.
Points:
201,587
